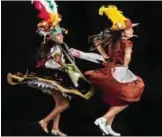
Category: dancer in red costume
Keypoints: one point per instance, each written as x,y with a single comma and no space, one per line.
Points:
119,85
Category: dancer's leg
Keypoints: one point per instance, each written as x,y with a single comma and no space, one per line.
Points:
110,115
63,104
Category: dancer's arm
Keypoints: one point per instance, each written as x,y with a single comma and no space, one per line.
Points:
101,50
127,56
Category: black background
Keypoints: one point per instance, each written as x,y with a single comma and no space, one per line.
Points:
22,107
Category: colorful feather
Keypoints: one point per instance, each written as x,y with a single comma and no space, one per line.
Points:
49,15
48,11
44,15
114,15
52,5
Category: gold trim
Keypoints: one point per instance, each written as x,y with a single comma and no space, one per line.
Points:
60,88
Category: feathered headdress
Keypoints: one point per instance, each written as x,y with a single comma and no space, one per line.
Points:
119,21
50,18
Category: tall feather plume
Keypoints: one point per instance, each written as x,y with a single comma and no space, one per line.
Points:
52,5
48,10
114,15
43,13
48,14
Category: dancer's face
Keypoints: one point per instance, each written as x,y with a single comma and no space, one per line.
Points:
58,38
57,34
128,33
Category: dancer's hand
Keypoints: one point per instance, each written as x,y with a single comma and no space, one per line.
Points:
75,53
107,60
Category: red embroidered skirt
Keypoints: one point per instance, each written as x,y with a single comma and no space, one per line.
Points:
114,92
